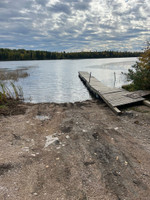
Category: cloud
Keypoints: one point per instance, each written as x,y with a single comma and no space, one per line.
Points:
60,8
71,25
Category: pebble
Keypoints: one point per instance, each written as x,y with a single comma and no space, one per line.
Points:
57,158
67,136
116,128
25,149
126,163
84,131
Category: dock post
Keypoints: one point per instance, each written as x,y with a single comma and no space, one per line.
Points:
90,77
114,78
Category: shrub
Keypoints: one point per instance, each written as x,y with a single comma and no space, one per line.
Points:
140,72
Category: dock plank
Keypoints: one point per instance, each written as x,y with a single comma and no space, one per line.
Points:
113,97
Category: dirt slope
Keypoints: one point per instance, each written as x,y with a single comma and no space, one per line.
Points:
75,151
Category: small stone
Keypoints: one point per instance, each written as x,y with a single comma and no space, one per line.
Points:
33,155
67,136
126,163
57,158
47,166
35,194
116,128
117,158
84,131
95,153
25,149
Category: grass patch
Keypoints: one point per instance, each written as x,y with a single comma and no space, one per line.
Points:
3,106
10,92
130,87
11,100
141,109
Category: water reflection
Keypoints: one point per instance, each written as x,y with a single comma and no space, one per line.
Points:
57,80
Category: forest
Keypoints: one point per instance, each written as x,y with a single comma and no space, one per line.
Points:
22,54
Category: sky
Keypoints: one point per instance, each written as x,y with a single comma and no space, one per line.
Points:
75,25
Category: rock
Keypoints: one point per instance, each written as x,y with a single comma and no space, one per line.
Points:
67,136
25,149
50,139
42,117
84,131
126,163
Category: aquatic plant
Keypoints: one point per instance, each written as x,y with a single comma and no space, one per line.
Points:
10,92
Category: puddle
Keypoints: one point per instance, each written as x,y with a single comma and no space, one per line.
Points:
42,117
50,139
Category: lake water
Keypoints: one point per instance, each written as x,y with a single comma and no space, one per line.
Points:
58,81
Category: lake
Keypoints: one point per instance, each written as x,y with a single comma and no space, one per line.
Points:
58,81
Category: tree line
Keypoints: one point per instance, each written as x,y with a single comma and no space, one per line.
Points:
22,54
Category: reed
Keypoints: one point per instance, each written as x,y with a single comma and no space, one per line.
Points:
10,92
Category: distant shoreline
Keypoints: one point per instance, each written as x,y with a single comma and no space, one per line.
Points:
22,54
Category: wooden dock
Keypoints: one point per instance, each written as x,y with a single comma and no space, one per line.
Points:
113,97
